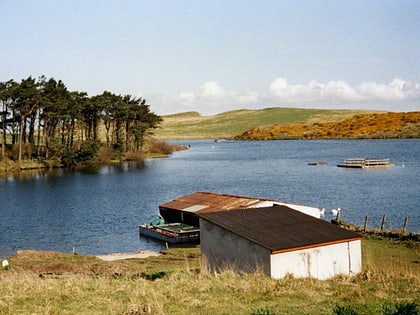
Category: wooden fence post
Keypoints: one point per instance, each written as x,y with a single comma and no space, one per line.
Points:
365,227
383,222
405,225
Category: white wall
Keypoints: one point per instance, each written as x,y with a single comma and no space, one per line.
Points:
312,211
322,262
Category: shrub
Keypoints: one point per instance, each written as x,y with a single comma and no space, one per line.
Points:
87,154
409,308
160,147
262,311
117,151
134,156
69,159
87,151
105,154
344,310
153,276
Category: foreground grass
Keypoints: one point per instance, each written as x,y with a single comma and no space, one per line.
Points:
173,283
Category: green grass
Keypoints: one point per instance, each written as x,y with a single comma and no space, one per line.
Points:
174,283
192,125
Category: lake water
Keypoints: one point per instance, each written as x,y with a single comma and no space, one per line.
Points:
98,212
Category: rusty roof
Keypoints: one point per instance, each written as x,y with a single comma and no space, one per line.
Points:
202,202
279,228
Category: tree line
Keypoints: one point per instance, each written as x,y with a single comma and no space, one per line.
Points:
42,119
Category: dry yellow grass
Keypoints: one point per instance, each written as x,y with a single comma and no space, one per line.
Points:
174,283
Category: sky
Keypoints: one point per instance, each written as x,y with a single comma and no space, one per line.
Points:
216,56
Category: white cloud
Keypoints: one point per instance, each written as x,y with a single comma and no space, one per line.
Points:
341,90
248,99
342,93
187,98
211,98
397,90
212,91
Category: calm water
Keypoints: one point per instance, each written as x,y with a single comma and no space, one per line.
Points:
98,212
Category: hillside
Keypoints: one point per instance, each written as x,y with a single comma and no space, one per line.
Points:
192,125
362,126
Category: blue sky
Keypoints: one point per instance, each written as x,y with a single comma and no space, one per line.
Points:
214,56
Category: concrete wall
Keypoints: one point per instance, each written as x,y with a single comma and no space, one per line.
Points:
223,250
322,262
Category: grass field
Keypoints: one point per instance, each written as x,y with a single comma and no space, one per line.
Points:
192,125
174,283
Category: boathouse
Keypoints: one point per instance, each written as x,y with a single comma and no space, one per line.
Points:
277,241
187,208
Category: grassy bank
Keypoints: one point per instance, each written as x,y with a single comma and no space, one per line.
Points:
152,149
173,283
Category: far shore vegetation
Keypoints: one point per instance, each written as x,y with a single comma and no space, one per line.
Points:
44,125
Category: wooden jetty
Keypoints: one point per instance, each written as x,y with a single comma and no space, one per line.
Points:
365,163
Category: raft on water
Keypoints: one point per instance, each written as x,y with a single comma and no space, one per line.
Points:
365,163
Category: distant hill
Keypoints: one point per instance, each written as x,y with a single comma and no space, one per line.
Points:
192,125
362,126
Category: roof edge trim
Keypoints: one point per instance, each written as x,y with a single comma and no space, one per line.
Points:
292,249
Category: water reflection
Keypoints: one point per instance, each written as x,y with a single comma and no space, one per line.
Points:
122,167
33,174
39,174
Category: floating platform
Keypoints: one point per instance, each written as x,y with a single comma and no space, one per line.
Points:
174,233
365,163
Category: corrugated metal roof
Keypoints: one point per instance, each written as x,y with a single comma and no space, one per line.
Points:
279,228
203,202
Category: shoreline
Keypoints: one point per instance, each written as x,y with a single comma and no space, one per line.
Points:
131,255
104,257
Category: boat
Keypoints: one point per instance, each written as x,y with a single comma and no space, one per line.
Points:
174,233
365,163
318,163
